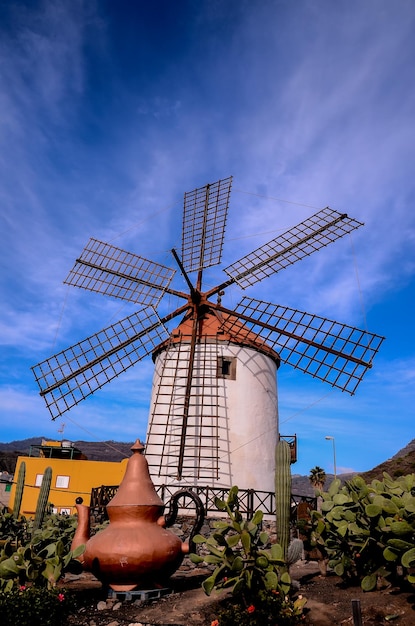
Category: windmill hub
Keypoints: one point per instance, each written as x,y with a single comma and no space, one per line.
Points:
199,305
196,298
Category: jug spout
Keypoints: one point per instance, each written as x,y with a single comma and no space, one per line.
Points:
82,531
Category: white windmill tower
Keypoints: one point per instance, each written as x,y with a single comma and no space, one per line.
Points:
229,403
213,415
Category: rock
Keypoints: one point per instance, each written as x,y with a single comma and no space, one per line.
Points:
71,577
102,605
116,607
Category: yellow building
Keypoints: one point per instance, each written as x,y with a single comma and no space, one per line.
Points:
72,476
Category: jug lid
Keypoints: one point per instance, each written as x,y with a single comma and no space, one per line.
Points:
136,487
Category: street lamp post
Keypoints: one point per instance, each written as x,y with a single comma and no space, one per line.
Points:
329,438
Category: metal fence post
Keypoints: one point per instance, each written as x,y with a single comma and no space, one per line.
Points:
357,613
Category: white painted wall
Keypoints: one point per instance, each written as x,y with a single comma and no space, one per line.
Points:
247,418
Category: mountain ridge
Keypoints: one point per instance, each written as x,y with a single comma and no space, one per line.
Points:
109,450
401,463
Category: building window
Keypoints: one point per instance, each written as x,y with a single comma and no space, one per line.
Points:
65,511
62,482
38,481
226,367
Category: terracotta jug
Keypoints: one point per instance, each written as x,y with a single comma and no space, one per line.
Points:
135,550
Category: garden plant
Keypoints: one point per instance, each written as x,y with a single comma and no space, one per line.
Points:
367,531
254,571
32,560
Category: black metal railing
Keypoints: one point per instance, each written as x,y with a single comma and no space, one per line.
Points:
249,500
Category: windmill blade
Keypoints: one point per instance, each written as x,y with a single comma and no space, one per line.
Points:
75,373
114,272
314,233
335,353
204,219
186,404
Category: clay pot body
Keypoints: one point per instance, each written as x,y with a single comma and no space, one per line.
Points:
135,550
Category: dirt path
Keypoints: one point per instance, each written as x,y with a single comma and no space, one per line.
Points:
328,603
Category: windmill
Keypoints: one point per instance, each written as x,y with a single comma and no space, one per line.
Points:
213,414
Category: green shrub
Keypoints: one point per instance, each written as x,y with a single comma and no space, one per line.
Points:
34,606
266,608
13,529
42,560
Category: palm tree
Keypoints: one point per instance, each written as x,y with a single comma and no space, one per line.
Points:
317,477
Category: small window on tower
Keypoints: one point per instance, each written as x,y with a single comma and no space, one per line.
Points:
226,367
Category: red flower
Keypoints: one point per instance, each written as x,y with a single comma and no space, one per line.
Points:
215,623
22,588
251,608
61,597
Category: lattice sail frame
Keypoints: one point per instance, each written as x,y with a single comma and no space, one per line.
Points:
205,414
204,221
75,373
332,352
307,237
114,272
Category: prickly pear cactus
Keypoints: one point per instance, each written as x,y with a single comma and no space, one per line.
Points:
19,490
283,493
243,562
368,530
42,500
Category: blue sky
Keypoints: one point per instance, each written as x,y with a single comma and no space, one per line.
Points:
110,111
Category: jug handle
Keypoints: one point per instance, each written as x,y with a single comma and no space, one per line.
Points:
173,510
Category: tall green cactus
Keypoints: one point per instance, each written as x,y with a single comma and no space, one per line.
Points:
42,500
283,493
19,490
